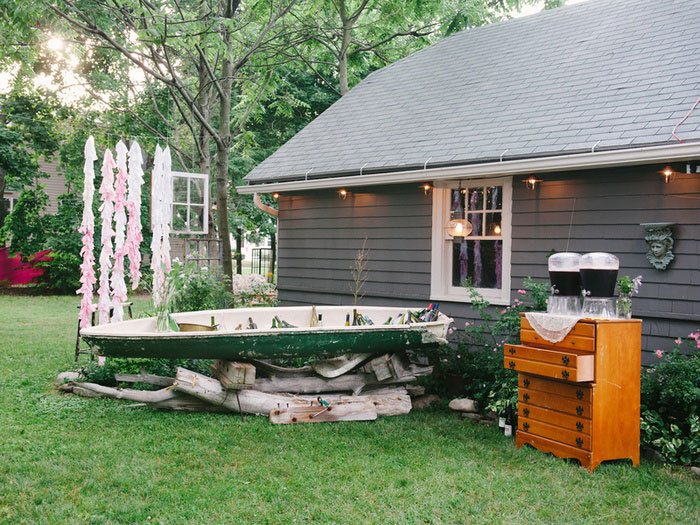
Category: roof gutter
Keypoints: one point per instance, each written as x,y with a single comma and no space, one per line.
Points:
577,161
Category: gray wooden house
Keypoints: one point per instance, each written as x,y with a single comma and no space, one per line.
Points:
583,100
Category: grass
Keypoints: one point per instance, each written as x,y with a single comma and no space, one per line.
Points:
66,459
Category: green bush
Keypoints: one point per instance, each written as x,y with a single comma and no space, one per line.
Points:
61,273
671,403
197,289
478,357
104,375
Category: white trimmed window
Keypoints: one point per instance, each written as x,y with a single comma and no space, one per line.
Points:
483,256
9,204
190,203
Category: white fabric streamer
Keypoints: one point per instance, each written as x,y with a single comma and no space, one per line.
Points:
161,211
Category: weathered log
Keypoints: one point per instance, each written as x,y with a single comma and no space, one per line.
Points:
275,370
354,383
349,411
148,379
256,402
166,398
234,376
415,390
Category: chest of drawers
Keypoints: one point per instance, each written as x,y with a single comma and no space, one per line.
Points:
579,398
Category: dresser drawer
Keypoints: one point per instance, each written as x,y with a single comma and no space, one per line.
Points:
558,364
553,417
579,392
562,435
555,402
581,337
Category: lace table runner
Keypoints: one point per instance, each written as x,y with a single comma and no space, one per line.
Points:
551,327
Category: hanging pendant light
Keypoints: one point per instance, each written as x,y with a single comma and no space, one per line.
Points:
459,227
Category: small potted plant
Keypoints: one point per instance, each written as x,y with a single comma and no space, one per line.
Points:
627,287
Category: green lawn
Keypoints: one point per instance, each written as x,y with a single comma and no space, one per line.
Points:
65,459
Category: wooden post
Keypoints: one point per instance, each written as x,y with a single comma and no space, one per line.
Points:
239,250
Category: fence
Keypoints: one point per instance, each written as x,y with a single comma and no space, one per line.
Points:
261,261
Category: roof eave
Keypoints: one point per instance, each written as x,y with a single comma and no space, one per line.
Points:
564,162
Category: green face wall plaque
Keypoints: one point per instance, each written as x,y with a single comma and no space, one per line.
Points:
659,239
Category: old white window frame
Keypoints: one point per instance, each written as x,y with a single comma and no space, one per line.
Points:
188,204
441,288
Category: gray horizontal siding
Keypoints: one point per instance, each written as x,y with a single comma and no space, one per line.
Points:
320,234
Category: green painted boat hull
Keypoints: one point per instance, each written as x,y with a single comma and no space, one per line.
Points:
231,346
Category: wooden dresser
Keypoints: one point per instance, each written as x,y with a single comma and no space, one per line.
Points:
579,398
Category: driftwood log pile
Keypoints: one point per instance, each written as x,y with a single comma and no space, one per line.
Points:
379,386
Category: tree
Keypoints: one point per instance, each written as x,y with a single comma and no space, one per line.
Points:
209,55
27,132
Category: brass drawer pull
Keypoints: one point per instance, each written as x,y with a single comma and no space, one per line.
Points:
565,360
526,382
511,350
511,364
526,412
579,442
565,374
526,397
526,426
579,394
579,426
579,411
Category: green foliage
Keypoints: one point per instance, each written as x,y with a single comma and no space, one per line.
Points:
671,404
478,357
104,375
25,227
194,289
61,273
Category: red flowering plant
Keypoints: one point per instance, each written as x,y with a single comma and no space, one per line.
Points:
478,353
671,402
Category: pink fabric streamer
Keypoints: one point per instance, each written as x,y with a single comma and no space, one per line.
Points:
107,209
87,229
133,205
119,292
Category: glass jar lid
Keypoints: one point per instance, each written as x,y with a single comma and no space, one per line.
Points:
599,261
564,262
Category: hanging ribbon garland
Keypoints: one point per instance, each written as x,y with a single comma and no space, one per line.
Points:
87,229
107,209
118,285
133,204
161,212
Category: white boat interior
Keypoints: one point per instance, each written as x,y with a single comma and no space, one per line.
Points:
236,321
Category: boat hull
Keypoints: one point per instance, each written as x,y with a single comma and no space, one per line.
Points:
125,340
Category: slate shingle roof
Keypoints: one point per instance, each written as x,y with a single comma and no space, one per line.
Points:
622,72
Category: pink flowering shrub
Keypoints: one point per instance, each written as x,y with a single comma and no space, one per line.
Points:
671,402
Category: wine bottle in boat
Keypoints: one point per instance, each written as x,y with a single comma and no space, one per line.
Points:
320,320
251,324
314,317
388,321
347,319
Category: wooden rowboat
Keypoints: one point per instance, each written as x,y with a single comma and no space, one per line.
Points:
232,340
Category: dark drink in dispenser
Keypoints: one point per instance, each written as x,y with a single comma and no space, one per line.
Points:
566,283
599,274
564,274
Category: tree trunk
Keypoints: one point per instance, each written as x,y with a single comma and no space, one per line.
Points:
3,212
343,53
273,255
223,148
239,250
